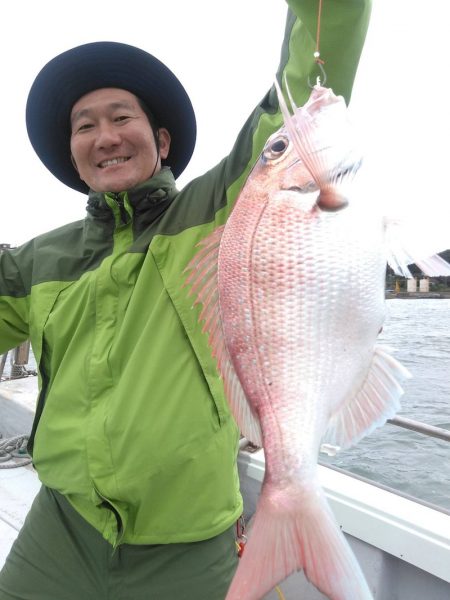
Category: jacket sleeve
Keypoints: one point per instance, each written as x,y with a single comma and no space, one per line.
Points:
343,28
205,203
344,25
13,304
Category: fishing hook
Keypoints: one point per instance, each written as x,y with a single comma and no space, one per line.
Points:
323,74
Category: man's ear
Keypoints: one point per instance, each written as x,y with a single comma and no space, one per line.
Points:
164,142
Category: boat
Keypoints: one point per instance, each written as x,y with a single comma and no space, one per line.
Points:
19,483
401,543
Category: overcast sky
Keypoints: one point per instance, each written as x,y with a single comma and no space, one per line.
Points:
226,55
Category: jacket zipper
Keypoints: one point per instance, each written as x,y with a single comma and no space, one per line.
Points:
120,208
124,216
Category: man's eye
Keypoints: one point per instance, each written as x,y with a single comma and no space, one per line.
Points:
84,127
122,118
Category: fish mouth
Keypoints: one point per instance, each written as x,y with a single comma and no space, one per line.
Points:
331,201
332,196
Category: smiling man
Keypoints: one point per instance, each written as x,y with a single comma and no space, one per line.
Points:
113,144
133,439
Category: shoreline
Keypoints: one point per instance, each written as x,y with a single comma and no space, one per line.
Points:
417,295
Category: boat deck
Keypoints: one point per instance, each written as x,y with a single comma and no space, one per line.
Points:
17,405
18,486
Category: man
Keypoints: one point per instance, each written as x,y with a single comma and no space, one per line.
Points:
113,145
133,440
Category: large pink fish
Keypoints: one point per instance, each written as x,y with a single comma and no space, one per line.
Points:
293,301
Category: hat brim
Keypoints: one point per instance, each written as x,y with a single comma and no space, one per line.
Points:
74,73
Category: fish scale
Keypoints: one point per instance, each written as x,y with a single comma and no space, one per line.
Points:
292,289
285,273
301,296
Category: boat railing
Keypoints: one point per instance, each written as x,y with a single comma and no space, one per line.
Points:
419,427
19,358
405,423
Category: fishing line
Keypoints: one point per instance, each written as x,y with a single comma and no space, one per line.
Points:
319,17
319,62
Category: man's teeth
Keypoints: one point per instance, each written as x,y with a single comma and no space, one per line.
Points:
112,161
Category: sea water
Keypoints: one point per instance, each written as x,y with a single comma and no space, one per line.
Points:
418,330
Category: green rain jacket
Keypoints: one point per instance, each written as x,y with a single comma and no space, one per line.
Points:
132,425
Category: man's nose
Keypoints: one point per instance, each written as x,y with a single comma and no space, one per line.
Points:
107,135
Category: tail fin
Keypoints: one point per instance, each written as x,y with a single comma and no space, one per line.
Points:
294,532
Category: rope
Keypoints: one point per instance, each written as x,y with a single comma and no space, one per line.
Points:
280,593
14,448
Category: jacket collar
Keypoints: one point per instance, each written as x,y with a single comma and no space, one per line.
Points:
148,199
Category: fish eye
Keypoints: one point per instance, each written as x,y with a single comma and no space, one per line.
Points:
276,148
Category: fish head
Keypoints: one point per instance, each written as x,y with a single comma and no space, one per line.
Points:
326,142
280,168
280,171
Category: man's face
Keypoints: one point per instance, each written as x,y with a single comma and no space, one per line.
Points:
112,142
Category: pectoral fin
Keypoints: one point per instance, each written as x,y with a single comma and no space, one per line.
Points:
375,402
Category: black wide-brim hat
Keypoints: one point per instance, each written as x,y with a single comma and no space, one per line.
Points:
76,72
